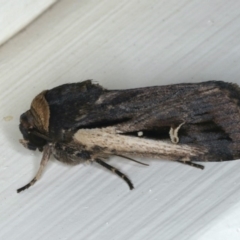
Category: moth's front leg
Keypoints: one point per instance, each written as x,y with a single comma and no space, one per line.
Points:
47,150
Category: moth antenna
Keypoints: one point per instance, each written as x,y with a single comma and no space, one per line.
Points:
114,170
131,159
189,163
47,149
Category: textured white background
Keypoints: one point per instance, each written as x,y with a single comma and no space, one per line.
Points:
15,15
120,44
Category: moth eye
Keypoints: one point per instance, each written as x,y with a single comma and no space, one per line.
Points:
25,121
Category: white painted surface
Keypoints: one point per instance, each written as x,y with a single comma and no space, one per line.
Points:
119,44
17,14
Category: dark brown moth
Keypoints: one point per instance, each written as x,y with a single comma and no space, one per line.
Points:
80,122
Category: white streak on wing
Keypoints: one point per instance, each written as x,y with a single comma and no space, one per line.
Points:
174,133
108,139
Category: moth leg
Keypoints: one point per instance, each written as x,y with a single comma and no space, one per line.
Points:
174,133
189,163
114,170
46,155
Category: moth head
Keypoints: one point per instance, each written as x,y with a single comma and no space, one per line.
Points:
34,124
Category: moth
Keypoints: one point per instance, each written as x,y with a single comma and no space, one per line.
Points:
186,123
